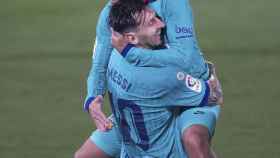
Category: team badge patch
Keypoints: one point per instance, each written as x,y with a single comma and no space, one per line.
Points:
193,84
180,76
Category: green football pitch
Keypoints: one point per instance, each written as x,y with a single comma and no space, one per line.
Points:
45,56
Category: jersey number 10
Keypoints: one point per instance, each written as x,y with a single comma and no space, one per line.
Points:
136,118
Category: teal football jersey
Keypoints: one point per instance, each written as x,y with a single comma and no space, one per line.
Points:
145,91
183,49
96,82
143,101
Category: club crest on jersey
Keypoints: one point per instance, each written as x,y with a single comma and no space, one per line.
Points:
180,76
193,84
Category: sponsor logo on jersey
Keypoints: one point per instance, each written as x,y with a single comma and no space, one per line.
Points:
183,31
193,84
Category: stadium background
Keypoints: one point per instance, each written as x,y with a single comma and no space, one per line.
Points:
45,56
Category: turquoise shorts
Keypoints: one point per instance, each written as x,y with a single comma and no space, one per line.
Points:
109,141
205,116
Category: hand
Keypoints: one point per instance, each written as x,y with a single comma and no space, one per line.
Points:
118,41
216,93
99,118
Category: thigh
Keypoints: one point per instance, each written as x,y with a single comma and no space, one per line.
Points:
90,150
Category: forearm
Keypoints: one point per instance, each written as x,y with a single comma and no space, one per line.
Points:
155,58
96,84
193,92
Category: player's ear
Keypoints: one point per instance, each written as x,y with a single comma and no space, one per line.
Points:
131,38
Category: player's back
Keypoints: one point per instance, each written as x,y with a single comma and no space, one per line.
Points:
148,125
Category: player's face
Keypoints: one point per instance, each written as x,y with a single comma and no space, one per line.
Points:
149,30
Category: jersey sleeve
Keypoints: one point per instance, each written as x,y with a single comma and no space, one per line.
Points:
188,92
180,37
184,90
96,84
167,86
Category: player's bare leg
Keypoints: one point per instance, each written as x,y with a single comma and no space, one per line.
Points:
90,150
197,142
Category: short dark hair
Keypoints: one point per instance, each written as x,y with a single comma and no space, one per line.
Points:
124,15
